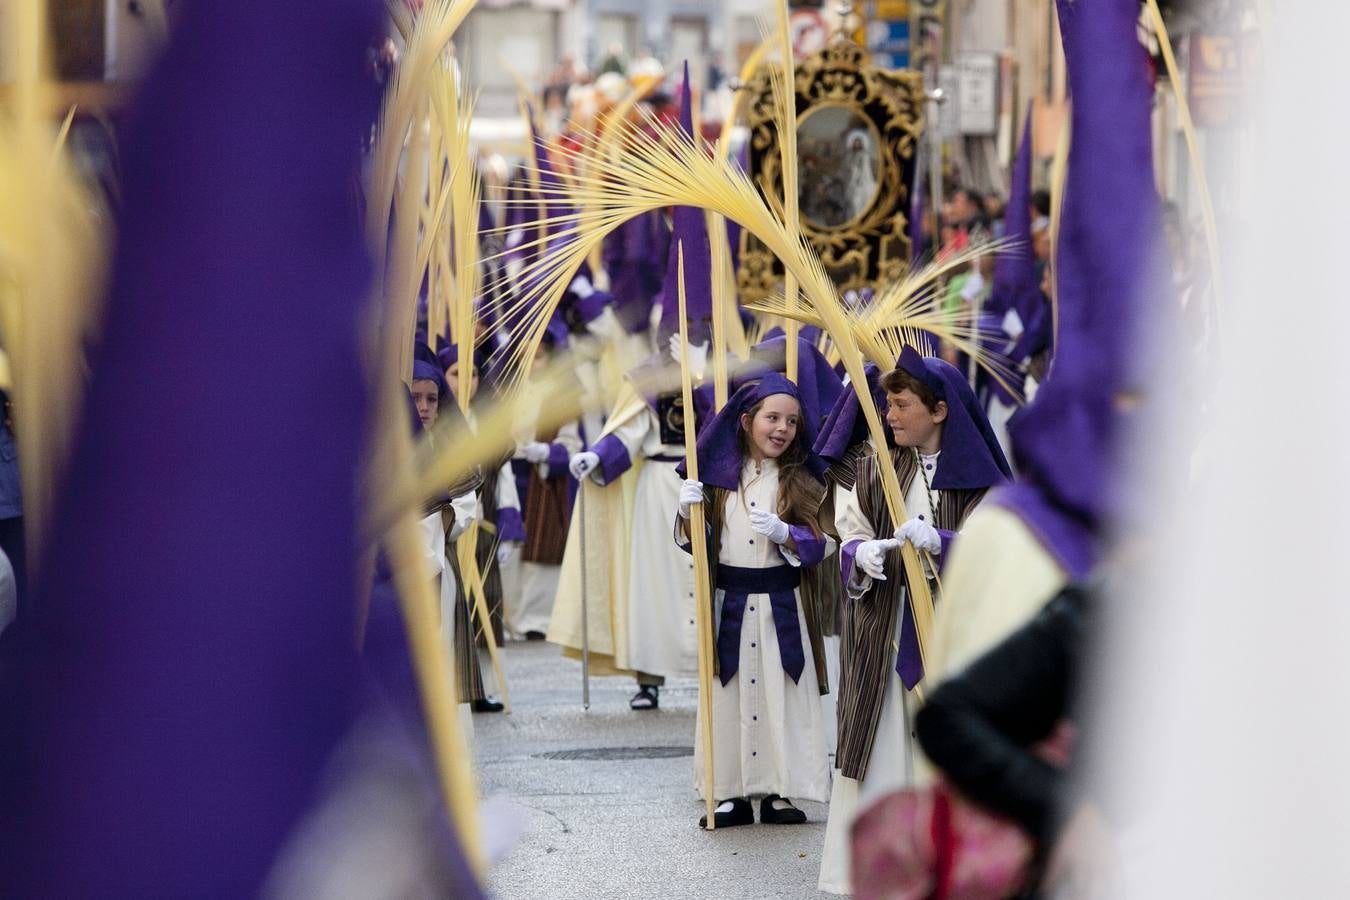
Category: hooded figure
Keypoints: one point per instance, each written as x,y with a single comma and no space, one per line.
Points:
947,458
761,492
1032,537
1016,305
659,605
204,642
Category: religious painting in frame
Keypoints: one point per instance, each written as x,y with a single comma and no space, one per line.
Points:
858,129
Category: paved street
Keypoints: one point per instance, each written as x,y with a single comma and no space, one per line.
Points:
620,826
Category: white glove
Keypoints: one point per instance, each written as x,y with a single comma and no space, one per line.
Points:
466,512
769,525
921,534
583,464
870,557
697,354
691,492
506,551
1012,324
581,286
535,452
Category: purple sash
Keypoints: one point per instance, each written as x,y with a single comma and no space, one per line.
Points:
780,583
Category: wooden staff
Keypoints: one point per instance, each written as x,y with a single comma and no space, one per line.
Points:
787,147
698,539
585,601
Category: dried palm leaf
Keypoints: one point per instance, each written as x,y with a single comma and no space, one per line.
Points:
783,83
663,167
53,253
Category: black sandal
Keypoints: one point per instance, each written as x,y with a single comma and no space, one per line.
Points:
488,706
647,697
785,815
730,813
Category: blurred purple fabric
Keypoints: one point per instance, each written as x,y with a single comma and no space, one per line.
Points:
191,664
1111,279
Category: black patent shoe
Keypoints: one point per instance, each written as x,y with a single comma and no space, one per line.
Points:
488,706
776,810
534,635
730,813
647,697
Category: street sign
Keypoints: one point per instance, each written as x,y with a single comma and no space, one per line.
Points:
977,93
888,43
810,32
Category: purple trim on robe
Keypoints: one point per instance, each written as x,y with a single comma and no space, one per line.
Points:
1066,539
946,537
810,546
846,554
510,526
557,460
908,661
614,458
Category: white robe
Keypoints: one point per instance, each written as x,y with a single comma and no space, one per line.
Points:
768,731
662,634
894,758
437,566
533,606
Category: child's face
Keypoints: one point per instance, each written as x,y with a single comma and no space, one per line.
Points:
912,424
452,378
426,395
774,426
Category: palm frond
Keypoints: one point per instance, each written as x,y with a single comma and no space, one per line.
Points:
53,253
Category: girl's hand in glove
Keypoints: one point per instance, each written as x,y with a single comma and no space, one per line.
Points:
691,492
769,525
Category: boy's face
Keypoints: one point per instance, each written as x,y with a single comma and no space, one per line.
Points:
426,395
912,424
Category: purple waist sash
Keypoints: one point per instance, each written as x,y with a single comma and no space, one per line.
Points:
780,583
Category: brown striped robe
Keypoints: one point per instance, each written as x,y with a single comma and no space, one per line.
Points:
868,624
548,513
486,553
468,675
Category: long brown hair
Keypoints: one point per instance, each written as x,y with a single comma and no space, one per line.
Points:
799,491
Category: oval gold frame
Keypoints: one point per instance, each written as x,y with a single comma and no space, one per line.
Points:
855,110
874,249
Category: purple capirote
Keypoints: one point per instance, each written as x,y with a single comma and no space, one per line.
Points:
1111,279
169,709
690,231
1017,284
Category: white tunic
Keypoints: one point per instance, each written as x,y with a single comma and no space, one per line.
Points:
768,731
662,634
432,532
533,606
894,750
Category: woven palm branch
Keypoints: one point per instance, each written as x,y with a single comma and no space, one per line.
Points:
405,142
910,313
662,167
783,85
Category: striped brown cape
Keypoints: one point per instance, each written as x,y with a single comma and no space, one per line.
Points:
868,624
548,513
